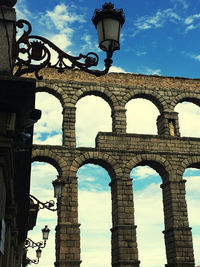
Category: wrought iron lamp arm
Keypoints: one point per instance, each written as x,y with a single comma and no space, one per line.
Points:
29,243
48,204
36,49
29,261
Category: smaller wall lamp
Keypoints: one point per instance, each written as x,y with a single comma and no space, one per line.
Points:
42,244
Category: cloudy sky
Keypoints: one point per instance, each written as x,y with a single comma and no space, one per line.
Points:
158,37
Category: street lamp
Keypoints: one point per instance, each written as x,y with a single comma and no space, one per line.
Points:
58,185
32,49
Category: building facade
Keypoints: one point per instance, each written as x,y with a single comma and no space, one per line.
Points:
17,116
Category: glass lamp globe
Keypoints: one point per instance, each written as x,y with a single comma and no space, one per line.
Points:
108,22
58,187
38,253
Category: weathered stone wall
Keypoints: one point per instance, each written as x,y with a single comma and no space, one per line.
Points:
119,152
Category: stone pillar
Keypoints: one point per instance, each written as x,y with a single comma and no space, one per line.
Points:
178,236
167,124
68,229
124,244
119,120
7,40
69,120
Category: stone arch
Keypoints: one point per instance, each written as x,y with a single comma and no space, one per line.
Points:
186,96
54,90
152,96
158,163
102,92
103,159
46,155
191,162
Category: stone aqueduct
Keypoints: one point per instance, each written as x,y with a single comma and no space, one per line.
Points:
119,152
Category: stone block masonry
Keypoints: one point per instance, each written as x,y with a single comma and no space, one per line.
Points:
119,152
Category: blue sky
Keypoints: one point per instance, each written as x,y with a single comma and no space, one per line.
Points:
158,37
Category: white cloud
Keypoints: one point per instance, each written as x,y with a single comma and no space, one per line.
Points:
117,69
89,44
190,27
189,114
61,17
141,116
57,24
148,205
48,130
60,24
55,139
140,53
192,22
62,40
184,3
180,3
93,114
143,172
196,57
95,219
191,19
157,20
90,179
22,11
149,71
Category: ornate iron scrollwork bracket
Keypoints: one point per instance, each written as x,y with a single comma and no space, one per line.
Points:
33,53
29,243
47,205
29,261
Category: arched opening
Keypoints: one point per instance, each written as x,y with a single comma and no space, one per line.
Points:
189,117
42,175
93,114
149,216
94,215
48,130
141,116
192,176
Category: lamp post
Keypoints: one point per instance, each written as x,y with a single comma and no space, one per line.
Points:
37,49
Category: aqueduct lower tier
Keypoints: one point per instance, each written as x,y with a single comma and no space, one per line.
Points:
118,152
